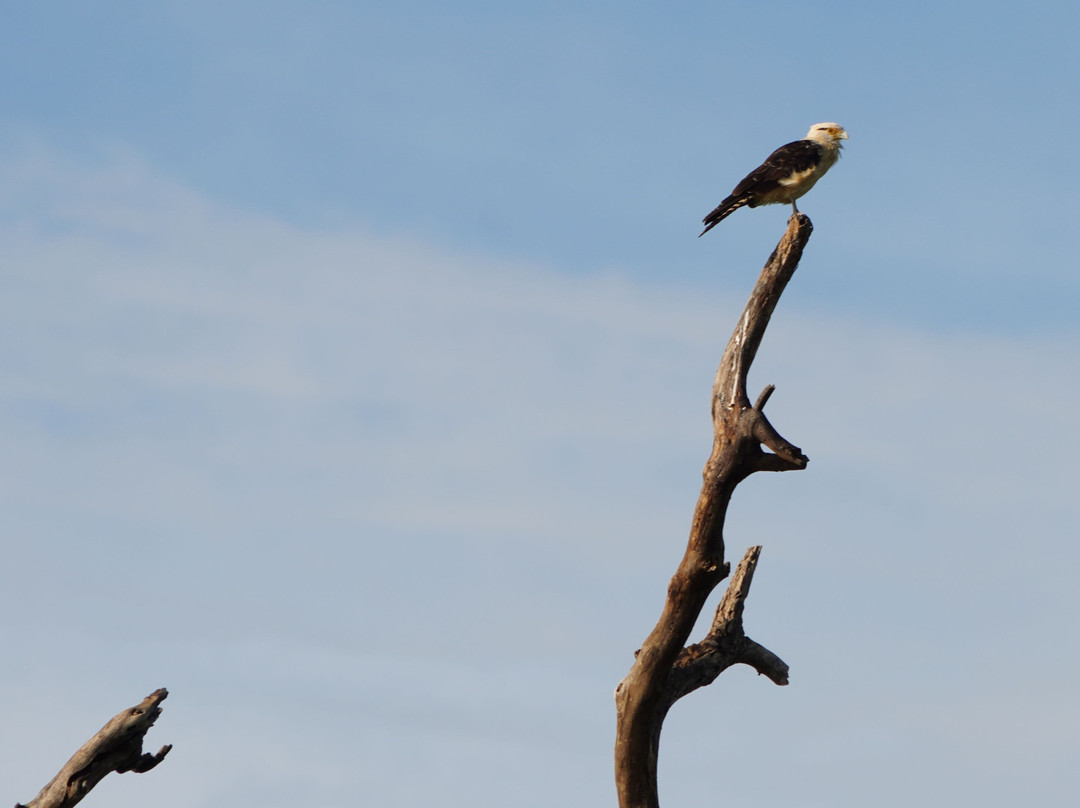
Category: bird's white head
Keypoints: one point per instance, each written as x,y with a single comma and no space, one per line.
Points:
827,134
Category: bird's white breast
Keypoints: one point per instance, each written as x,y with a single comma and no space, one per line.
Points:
799,182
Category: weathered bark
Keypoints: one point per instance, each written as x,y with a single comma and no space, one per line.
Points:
117,747
665,669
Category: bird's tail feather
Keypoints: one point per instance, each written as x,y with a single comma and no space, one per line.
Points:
721,212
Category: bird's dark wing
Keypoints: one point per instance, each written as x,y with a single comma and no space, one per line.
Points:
791,158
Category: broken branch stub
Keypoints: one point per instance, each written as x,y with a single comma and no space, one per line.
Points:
116,747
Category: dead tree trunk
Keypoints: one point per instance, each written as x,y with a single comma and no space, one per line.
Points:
666,669
117,747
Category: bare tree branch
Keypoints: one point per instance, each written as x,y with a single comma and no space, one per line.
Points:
117,747
726,643
665,669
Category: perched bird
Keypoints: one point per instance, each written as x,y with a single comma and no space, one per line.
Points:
787,173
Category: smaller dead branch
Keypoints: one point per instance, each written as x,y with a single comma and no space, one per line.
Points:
726,643
117,747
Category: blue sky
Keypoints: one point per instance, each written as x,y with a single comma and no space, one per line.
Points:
356,373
